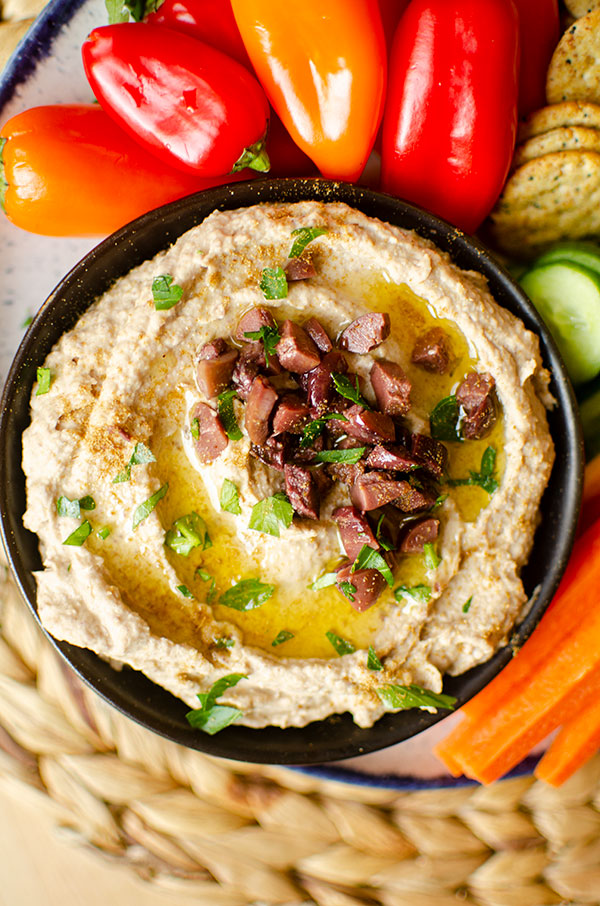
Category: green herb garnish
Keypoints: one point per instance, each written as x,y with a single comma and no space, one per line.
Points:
271,513
351,455
315,428
247,595
419,593
140,456
323,581
467,605
482,479
444,421
210,717
144,509
44,379
349,391
103,532
28,320
185,591
165,293
385,542
224,642
340,644
373,662
230,498
72,508
347,589
187,533
227,414
77,537
368,558
87,503
401,698
269,336
304,236
273,283
205,576
195,428
432,561
284,636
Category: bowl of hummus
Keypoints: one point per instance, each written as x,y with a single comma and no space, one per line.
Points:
300,469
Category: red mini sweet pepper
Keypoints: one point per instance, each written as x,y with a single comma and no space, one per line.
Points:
186,102
211,21
451,112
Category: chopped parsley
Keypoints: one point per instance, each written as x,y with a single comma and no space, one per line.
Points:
185,591
467,605
247,595
304,235
28,320
401,698
230,498
87,503
384,541
205,576
284,636
195,428
210,717
270,514
349,391
373,662
224,642
72,508
103,532
165,293
227,414
77,538
315,428
368,558
323,581
351,455
341,645
347,589
485,477
140,456
432,561
269,336
419,593
187,533
444,420
273,283
44,379
144,509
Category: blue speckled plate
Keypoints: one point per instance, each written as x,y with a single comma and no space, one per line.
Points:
46,68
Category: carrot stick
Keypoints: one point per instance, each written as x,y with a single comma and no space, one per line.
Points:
544,682
578,740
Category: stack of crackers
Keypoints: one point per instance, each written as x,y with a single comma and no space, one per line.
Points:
553,191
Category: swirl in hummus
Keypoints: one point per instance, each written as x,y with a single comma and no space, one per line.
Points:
124,402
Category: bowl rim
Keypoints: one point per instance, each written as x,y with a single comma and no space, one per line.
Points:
336,737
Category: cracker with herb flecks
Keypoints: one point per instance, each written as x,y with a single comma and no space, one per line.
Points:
574,71
553,197
579,8
565,138
556,116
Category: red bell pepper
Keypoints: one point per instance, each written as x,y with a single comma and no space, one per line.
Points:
450,120
539,31
186,102
68,170
211,21
323,67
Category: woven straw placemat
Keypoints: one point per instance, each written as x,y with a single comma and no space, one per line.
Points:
228,834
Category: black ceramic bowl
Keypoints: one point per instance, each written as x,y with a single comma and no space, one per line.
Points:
132,693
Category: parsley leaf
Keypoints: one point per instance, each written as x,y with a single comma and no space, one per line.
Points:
247,595
467,605
87,502
345,388
323,581
432,561
273,283
205,576
484,478
315,428
195,428
165,293
284,636
44,379
385,542
185,591
66,507
210,717
304,236
144,509
419,593
401,698
368,558
347,589
270,337
373,662
230,498
340,644
77,537
268,514
186,533
140,456
224,642
227,414
351,455
103,532
444,420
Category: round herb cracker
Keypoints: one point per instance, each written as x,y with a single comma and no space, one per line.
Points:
550,198
556,116
565,138
574,71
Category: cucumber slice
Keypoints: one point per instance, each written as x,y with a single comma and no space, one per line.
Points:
567,296
587,254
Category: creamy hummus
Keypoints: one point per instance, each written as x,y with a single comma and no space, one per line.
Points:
125,376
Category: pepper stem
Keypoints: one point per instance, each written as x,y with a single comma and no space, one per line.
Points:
254,156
